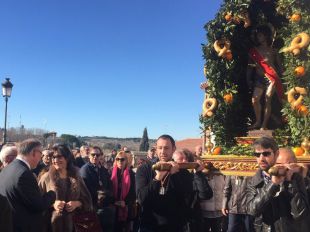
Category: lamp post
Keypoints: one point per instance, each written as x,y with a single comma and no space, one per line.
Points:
6,93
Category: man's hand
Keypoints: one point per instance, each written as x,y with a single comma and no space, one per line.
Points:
120,204
277,179
59,205
175,167
225,212
72,205
201,166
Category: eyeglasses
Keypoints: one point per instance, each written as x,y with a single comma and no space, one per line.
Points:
120,159
95,154
57,156
264,153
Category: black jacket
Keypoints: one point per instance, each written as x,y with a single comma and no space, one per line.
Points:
278,208
19,185
5,215
173,209
92,177
235,194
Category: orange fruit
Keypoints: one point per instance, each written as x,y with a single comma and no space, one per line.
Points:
298,151
228,98
295,17
228,17
217,151
303,110
228,56
300,71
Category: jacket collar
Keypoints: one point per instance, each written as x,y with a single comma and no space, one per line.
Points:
257,178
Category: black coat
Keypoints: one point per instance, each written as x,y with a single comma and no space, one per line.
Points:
172,210
19,185
278,208
91,178
5,215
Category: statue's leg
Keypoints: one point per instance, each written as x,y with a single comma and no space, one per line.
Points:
257,94
269,93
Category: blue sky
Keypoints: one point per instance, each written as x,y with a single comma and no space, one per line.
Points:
105,67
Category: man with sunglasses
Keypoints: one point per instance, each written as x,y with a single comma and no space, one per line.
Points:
276,202
97,180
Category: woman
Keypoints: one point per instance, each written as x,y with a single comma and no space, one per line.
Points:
123,180
71,192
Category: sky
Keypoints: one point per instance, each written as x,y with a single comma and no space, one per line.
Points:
105,67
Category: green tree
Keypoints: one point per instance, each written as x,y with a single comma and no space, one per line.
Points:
144,145
70,140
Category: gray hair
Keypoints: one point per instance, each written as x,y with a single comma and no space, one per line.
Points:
6,151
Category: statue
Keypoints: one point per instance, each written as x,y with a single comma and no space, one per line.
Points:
262,76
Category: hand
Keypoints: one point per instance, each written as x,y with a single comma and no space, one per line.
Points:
225,212
174,167
120,204
201,166
277,179
291,169
72,205
59,205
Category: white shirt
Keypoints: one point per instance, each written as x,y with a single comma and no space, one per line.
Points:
21,159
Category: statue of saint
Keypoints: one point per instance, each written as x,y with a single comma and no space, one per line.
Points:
262,77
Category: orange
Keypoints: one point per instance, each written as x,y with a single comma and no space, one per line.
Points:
217,151
303,110
228,98
228,56
298,151
295,17
300,71
228,17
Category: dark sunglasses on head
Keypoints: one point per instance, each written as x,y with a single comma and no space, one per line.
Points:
264,153
57,156
120,159
95,154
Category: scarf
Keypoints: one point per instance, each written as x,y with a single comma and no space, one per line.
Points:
122,212
269,72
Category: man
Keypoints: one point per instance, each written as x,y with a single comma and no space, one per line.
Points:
83,158
44,163
165,196
198,151
276,202
20,187
97,180
263,76
7,155
151,155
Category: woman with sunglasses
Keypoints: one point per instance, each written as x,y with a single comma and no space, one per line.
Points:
123,180
71,192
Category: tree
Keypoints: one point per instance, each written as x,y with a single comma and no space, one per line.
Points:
226,72
70,140
144,145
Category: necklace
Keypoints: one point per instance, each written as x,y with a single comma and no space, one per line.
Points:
162,189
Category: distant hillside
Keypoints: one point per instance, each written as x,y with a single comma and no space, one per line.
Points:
109,143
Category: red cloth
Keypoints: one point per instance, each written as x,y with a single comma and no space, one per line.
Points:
269,71
122,212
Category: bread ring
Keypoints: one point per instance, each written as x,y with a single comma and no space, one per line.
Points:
222,47
291,96
302,40
208,107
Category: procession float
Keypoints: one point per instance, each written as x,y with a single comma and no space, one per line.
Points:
234,111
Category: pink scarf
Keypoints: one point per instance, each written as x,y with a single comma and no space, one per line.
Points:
122,212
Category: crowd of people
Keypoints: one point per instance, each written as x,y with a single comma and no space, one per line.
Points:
43,190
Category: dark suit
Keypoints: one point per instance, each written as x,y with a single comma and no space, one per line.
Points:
19,185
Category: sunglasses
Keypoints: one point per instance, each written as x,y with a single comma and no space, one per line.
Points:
120,159
57,156
264,153
95,154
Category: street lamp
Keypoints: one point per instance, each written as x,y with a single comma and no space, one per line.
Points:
6,93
